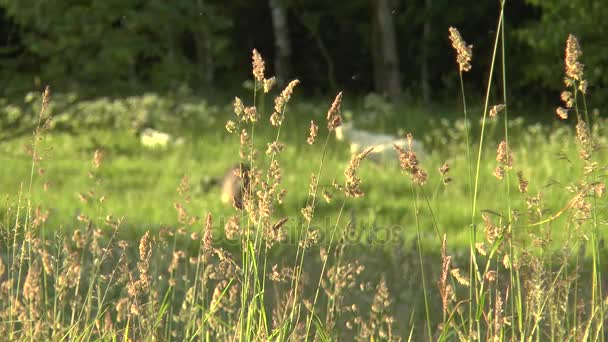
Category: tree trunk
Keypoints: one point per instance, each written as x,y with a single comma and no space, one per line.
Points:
377,62
206,67
204,55
387,44
311,23
281,41
426,40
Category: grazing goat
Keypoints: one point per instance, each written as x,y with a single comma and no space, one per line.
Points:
383,144
234,183
152,138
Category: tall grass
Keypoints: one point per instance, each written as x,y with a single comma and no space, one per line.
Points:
263,275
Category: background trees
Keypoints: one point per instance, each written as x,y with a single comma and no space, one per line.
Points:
394,48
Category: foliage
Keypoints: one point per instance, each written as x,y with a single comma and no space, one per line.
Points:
543,40
121,43
495,244
128,114
116,46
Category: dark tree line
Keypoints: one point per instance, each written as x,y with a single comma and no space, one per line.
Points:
394,48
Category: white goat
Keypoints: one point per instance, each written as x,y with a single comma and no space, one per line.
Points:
383,144
155,139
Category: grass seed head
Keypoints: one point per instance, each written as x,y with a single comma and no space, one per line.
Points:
232,229
443,171
408,161
462,280
523,183
268,84
496,109
312,133
258,66
334,118
353,182
464,52
444,287
239,107
208,233
275,147
574,68
567,98
562,113
98,158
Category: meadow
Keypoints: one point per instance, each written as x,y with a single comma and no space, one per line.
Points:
103,238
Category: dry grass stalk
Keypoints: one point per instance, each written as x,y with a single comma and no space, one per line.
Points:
562,113
274,147
334,118
498,317
239,108
409,162
504,159
443,172
462,280
523,183
352,186
464,52
258,66
445,288
567,98
208,234
574,68
495,110
268,84
312,133
584,140
280,102
98,158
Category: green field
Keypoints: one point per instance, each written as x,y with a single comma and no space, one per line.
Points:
139,183
103,238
